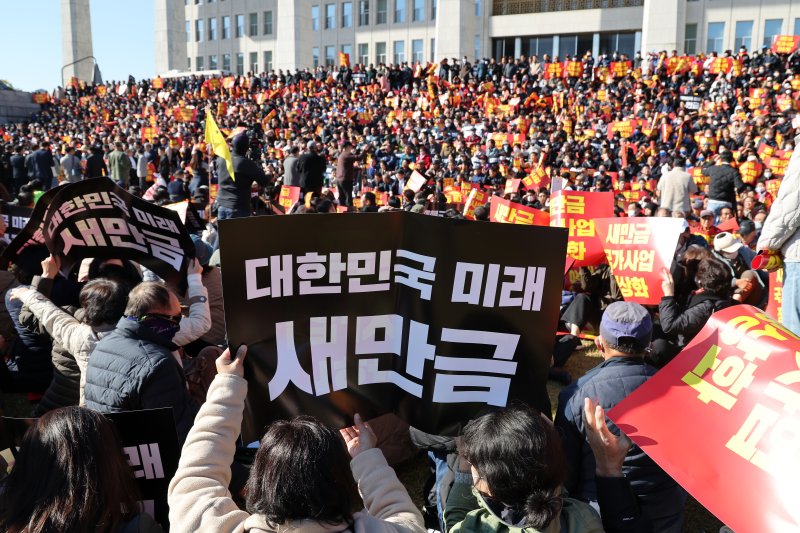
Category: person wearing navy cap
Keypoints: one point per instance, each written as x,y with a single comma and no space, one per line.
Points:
625,333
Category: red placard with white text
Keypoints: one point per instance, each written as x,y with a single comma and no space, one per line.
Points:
723,419
509,212
637,250
577,212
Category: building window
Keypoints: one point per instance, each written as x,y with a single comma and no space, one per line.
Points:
315,56
267,22
399,52
796,26
380,53
772,28
188,63
363,53
478,8
239,26
347,14
744,34
382,12
212,29
212,62
477,47
199,63
419,10
363,13
716,37
254,62
433,9
433,50
329,56
253,25
538,46
616,42
240,63
399,11
315,18
198,30
417,52
690,41
189,33
330,16
226,62
268,61
226,27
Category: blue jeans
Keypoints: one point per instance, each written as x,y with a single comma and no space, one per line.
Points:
440,464
790,305
224,213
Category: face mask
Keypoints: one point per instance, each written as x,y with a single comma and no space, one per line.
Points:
760,190
758,225
161,326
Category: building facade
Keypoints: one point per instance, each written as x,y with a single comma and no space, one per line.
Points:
256,35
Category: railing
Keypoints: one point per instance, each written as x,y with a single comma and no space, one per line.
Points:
518,7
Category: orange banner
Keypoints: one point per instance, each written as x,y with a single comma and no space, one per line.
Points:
508,212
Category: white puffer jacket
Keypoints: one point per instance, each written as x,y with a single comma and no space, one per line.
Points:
780,231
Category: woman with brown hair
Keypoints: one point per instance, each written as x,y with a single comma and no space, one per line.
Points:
71,475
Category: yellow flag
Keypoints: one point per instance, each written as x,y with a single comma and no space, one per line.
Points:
215,138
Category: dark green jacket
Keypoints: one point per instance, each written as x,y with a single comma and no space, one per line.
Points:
467,512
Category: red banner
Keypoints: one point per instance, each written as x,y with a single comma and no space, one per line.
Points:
288,197
637,250
577,211
785,44
509,212
779,162
723,419
184,113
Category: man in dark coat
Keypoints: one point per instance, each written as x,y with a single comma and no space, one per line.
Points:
724,182
133,368
43,164
95,164
625,332
312,167
233,198
345,174
19,172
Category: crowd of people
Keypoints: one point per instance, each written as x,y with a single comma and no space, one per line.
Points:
679,132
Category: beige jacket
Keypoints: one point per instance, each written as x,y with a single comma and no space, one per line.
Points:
198,495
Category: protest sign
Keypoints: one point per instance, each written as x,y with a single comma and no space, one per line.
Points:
97,218
15,218
637,250
413,320
692,103
723,420
509,212
475,199
189,216
150,444
577,211
288,196
785,44
416,182
512,185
